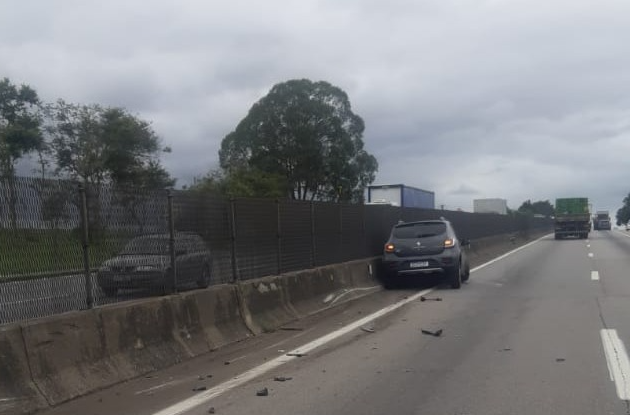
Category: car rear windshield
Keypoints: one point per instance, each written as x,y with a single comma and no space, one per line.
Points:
419,230
147,246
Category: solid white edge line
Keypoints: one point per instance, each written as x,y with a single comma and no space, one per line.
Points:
623,234
497,259
595,275
202,398
251,374
617,361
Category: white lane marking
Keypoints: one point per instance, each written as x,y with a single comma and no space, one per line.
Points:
245,377
588,245
595,275
202,398
617,361
590,255
497,259
163,385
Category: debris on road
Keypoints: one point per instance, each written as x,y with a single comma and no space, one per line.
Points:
560,359
211,410
291,328
436,333
506,349
199,389
423,298
368,329
227,362
282,378
263,392
296,354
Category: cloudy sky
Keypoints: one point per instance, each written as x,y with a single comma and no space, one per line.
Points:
518,99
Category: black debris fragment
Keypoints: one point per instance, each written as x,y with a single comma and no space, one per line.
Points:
436,333
199,389
296,354
368,329
423,298
560,359
282,378
211,410
506,349
291,328
263,392
227,362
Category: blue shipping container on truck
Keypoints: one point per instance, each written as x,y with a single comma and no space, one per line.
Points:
401,195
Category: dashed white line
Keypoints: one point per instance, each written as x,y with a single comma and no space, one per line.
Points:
595,275
617,361
590,255
588,245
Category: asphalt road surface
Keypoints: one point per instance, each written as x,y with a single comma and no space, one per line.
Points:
540,331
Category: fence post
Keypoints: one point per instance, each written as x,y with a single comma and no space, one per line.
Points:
341,255
171,241
85,244
233,236
313,251
279,237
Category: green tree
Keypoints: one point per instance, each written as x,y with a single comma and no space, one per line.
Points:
623,214
20,134
243,182
106,146
541,207
306,133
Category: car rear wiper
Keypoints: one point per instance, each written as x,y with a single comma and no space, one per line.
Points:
425,235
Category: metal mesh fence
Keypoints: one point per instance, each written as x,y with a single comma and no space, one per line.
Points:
67,247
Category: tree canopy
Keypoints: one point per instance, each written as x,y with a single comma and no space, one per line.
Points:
99,145
305,133
540,207
623,214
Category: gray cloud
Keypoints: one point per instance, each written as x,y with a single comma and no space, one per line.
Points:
493,98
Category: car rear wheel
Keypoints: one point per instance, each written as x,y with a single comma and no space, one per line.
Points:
466,275
204,281
456,277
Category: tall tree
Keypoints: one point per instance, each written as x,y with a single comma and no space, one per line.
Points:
20,134
99,146
305,132
623,214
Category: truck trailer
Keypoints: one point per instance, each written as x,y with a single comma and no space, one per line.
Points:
572,218
601,221
401,195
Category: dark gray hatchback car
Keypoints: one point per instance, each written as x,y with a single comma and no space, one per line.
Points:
145,262
425,247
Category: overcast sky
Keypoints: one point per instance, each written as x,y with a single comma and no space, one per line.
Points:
471,98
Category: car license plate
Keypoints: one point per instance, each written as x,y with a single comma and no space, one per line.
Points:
419,264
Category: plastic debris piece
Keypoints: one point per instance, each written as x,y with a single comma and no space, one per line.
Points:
263,392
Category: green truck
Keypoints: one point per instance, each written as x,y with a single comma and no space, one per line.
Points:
572,217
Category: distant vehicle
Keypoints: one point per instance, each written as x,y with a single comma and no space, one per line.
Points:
490,206
628,226
425,247
601,221
401,195
145,263
572,218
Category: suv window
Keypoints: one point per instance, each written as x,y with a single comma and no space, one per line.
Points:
419,230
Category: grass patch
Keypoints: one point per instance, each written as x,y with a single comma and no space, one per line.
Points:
26,251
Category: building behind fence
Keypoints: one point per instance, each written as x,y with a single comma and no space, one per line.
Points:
55,234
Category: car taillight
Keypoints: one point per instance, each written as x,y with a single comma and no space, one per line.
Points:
449,243
389,248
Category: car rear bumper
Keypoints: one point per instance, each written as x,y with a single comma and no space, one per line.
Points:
435,265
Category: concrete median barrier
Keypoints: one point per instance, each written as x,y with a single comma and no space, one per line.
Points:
67,355
220,315
265,305
18,393
144,336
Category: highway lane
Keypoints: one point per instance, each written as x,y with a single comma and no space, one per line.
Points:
540,331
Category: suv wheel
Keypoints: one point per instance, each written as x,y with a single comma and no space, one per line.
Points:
466,275
456,276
